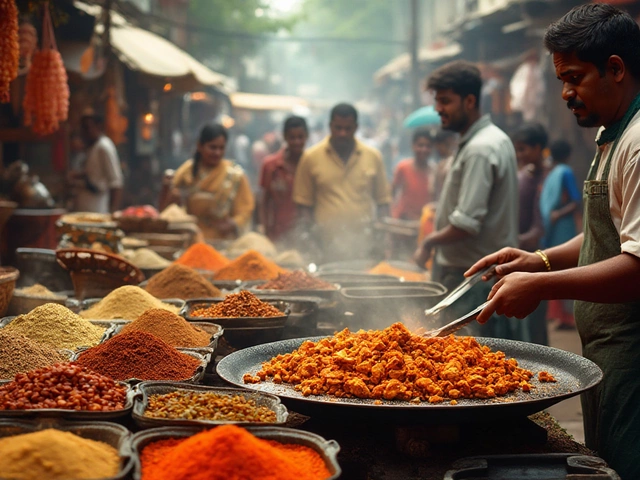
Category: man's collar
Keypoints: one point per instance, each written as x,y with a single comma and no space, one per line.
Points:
483,121
357,147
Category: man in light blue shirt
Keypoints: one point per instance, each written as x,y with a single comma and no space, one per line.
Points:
478,208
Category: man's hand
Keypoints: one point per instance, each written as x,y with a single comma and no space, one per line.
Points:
516,295
423,253
509,260
555,216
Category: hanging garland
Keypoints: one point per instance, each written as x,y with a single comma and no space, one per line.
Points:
9,47
46,99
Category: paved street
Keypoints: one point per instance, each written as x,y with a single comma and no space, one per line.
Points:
569,412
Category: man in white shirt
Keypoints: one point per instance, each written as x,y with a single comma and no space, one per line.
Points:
99,183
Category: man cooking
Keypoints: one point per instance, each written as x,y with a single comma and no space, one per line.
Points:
478,208
596,54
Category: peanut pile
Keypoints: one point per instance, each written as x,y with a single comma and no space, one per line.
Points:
187,405
64,385
236,305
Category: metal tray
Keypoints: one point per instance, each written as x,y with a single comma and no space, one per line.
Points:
110,433
353,279
146,389
61,413
235,322
196,378
531,466
108,325
330,295
575,374
328,450
215,332
90,302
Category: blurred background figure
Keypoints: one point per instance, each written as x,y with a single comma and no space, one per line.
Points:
559,202
213,189
412,179
98,181
340,189
277,210
530,141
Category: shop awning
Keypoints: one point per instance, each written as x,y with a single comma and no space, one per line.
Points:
402,63
146,52
257,101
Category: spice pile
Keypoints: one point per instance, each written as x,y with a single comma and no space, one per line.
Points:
38,290
179,281
64,385
146,258
169,327
19,354
56,455
253,241
383,268
125,303
204,257
297,280
139,355
230,452
176,214
236,305
250,266
57,326
394,364
193,405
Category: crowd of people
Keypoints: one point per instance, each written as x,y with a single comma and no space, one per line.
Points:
506,199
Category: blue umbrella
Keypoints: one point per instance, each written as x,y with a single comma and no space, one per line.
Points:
422,117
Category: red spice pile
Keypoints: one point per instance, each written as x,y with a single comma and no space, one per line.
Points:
139,355
239,305
230,452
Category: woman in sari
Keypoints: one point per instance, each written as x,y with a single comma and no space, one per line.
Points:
213,189
559,200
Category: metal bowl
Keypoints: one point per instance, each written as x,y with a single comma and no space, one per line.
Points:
242,332
112,434
8,277
39,265
328,450
145,389
353,279
379,307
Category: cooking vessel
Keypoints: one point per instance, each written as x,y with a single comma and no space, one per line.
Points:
574,375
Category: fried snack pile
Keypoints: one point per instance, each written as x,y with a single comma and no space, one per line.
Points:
394,364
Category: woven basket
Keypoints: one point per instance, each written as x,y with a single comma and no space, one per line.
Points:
96,274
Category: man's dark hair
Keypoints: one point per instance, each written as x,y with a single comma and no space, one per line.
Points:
560,150
421,133
294,122
96,118
531,134
344,110
595,32
460,76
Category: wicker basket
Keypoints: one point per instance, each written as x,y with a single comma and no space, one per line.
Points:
96,274
8,277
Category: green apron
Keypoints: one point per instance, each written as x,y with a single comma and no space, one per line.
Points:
610,335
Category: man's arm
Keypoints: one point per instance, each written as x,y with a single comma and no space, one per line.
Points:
383,210
614,280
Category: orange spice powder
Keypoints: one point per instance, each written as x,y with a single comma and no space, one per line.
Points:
203,256
251,265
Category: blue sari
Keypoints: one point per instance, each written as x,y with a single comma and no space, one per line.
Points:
558,190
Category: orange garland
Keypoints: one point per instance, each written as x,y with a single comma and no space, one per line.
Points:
9,47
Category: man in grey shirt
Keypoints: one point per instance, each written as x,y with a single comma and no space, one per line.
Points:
478,208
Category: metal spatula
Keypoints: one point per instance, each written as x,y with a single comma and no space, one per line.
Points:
460,290
456,325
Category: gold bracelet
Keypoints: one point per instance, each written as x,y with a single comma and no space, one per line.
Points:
544,258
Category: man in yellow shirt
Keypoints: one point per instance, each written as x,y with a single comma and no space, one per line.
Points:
340,187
